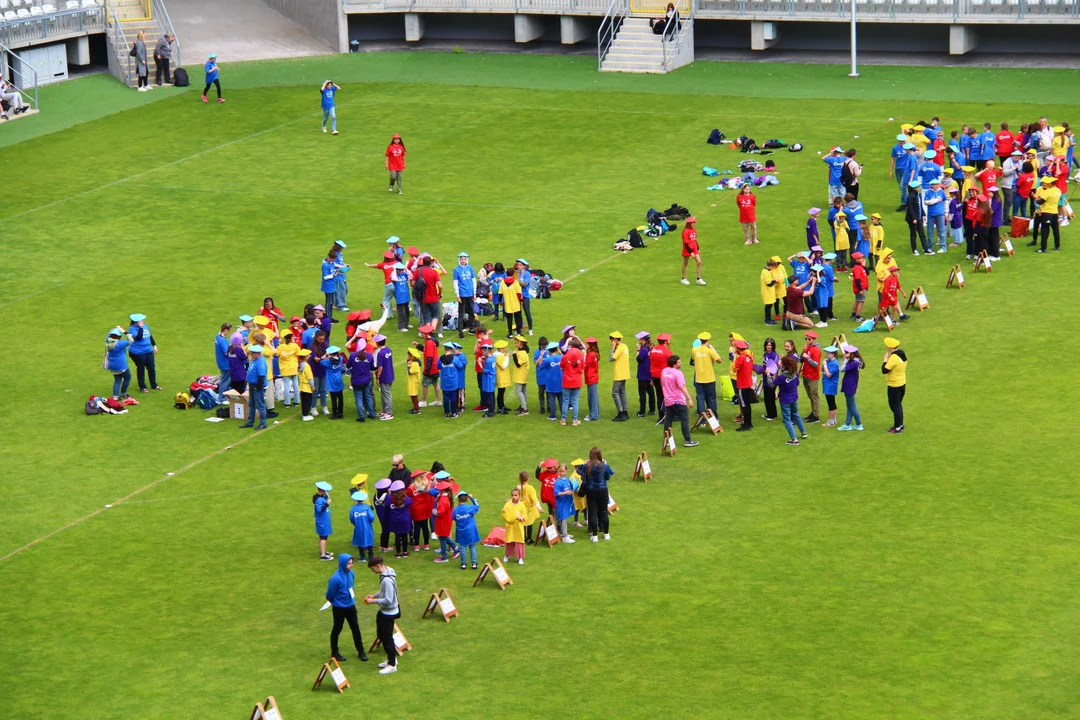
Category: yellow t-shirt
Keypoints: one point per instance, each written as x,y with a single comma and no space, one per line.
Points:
287,360
622,362
897,371
780,288
877,238
520,373
704,357
412,381
1050,195
511,303
1059,145
882,271
502,370
305,379
530,500
920,142
768,294
515,529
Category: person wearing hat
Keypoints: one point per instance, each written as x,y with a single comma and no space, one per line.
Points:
362,518
487,379
519,372
431,364
835,160
360,368
211,69
329,112
116,362
900,167
443,520
334,366
399,517
142,351
779,276
768,290
811,373
323,527
1047,198
690,249
502,375
402,295
305,381
677,401
340,594
430,274
620,373
920,140
395,161
331,269
644,375
465,292
1011,168
510,292
257,373
936,202
658,356
894,368
916,217
928,170
525,279
744,383
413,375
812,238
860,283
551,363
573,371
386,264
383,361
289,368
389,611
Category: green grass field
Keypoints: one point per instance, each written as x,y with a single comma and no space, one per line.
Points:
857,576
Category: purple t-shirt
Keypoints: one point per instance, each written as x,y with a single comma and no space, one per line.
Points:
811,233
788,388
359,366
850,383
384,360
672,383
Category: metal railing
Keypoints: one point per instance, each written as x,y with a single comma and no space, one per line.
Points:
119,65
42,27
19,77
158,11
617,12
672,38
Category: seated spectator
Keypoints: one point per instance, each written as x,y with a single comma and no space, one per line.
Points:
12,99
659,25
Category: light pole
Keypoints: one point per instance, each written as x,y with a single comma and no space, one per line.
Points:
854,61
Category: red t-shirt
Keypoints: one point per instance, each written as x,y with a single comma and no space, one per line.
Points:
1061,172
809,371
744,371
746,207
795,300
573,367
592,368
395,156
431,290
444,516
431,358
547,486
859,280
939,148
387,267
658,359
971,208
1005,143
1024,183
689,243
422,504
989,178
889,290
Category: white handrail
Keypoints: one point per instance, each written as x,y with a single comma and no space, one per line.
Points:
671,42
617,12
8,54
160,14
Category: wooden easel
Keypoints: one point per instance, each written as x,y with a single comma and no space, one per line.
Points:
1009,247
918,298
267,710
441,601
336,674
399,641
955,275
642,469
547,531
497,570
887,319
612,506
668,445
983,262
708,420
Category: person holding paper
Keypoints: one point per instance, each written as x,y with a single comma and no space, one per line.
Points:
389,611
340,595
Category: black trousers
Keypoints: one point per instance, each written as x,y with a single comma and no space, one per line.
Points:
341,616
500,395
853,189
384,629
1048,221
239,386
679,412
418,529
916,229
659,390
746,398
596,501
969,238
384,539
543,399
337,404
217,85
161,68
769,395
401,543
305,403
896,404
144,363
513,323
403,316
466,315
645,390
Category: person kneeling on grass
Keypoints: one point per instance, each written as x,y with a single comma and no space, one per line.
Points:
796,292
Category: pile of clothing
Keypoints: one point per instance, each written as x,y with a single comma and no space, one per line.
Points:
657,223
108,406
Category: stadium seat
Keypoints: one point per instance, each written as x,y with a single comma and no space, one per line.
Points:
89,3
22,13
48,9
35,11
72,4
9,15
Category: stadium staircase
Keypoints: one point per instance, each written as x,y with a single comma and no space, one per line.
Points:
126,18
627,44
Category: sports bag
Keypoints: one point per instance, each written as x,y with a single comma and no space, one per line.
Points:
795,148
419,288
180,78
747,144
92,406
181,401
774,143
716,137
676,212
634,238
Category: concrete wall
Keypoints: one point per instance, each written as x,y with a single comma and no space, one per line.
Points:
324,19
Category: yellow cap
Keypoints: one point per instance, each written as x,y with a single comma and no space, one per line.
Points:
262,320
579,461
967,168
616,334
416,353
737,336
776,259
705,336
876,215
949,171
520,338
906,126
892,342
500,344
1059,128
919,128
359,479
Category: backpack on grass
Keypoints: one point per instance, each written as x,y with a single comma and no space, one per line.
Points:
716,137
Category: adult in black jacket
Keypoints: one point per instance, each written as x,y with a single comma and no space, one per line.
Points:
594,479
914,215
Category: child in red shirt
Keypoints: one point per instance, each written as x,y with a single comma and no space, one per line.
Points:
444,521
690,250
395,161
546,473
860,283
420,511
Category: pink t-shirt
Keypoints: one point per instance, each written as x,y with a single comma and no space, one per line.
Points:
672,382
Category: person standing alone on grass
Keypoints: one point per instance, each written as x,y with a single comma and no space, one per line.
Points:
395,161
328,90
894,368
387,600
339,592
211,69
142,69
747,203
594,486
690,250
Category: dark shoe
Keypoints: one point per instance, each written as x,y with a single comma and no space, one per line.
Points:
488,414
248,425
363,656
271,414
690,443
359,419
744,427
414,412
811,419
640,415
770,322
1031,244
902,208
339,658
894,431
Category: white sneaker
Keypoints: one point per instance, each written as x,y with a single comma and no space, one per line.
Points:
929,252
684,281
821,324
326,411
595,539
307,417
607,536
506,558
569,540
916,253
382,665
530,332
388,670
423,403
324,128
520,561
700,281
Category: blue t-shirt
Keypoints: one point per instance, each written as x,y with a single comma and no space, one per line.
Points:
329,277
328,97
553,373
830,384
801,270
931,134
835,163
525,278
256,370
541,368
988,145
495,280
211,71
362,517
401,288
487,381
564,504
966,144
465,520
929,171
465,281
937,208
828,273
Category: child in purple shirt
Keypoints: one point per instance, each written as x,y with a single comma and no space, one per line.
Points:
851,366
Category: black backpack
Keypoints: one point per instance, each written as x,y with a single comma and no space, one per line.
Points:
634,238
716,137
846,176
774,143
747,144
676,212
419,287
180,78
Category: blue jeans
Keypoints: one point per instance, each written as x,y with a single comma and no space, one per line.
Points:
341,290
593,392
555,403
1019,205
957,235
852,411
365,400
570,396
449,401
445,543
388,297
292,389
330,302
706,397
465,550
120,382
331,114
938,222
901,180
320,392
256,407
790,413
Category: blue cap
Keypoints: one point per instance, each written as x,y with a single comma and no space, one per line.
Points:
448,345
246,318
914,183
359,496
340,243
804,253
323,485
831,348
828,256
909,146
442,475
463,254
399,266
697,343
901,137
816,266
523,261
333,349
137,317
860,216
456,346
393,239
255,349
213,55
930,154
553,346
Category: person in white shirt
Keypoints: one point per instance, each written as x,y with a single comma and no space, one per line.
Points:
12,97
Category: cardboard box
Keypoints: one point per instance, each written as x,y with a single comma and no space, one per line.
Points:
238,405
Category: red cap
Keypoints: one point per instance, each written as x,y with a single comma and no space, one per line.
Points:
295,318
508,281
418,473
664,336
894,269
443,486
354,315
549,463
810,334
741,345
590,339
365,314
389,255
690,219
412,250
395,136
857,256
425,328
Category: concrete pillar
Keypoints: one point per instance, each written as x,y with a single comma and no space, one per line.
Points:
414,27
574,29
763,35
528,28
962,39
78,51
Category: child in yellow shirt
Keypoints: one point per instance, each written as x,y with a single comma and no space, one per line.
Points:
412,379
305,383
519,373
287,365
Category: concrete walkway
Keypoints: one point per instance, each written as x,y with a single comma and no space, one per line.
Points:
237,30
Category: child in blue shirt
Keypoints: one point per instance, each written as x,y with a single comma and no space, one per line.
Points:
564,504
487,380
541,372
467,536
448,382
494,282
402,298
363,518
830,382
335,384
553,380
461,363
